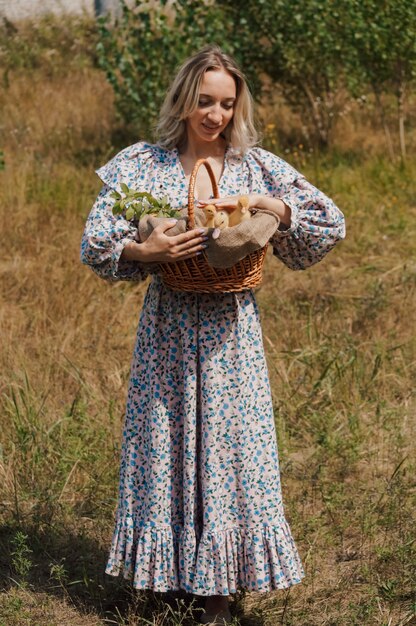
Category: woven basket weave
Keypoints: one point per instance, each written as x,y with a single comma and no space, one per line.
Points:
196,274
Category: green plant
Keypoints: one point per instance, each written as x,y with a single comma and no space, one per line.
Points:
136,204
57,572
142,50
381,46
321,52
21,561
302,51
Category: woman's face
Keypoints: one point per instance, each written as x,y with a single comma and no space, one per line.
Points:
215,108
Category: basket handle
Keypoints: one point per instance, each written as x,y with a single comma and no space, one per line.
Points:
192,180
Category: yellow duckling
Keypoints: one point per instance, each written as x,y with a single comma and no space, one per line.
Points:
221,219
241,213
210,212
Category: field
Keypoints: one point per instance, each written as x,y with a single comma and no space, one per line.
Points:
340,345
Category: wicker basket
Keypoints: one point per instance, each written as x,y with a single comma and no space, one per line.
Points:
196,274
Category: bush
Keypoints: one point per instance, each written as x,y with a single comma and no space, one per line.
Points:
142,50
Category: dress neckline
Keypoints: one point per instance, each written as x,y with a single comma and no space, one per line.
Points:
186,178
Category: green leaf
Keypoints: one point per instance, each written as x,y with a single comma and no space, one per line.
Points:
130,213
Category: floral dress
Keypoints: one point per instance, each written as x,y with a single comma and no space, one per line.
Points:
200,504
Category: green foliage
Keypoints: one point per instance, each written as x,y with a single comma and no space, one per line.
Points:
58,573
313,49
381,45
141,52
316,51
297,44
301,48
136,204
21,561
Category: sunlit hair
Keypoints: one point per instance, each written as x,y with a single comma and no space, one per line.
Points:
182,100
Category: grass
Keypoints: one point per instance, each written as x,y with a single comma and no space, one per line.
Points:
340,346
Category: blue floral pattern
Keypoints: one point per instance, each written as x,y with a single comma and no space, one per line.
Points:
200,504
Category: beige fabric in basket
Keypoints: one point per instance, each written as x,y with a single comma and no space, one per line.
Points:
233,243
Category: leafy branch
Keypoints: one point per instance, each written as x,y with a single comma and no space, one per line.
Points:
136,204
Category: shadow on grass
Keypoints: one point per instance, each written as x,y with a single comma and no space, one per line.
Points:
71,566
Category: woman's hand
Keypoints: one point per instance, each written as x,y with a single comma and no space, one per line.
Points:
255,201
160,248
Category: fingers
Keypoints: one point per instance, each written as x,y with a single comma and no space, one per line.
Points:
198,249
166,225
187,244
184,245
196,233
216,200
198,244
194,239
220,203
190,252
190,256
227,206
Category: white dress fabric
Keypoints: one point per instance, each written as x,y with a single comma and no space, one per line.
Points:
200,505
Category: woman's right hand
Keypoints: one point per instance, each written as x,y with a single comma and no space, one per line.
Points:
160,248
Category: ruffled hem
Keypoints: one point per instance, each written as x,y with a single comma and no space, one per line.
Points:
166,558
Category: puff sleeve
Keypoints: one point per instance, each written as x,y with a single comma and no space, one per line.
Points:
105,234
317,224
104,238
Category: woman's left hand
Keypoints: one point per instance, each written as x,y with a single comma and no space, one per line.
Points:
256,201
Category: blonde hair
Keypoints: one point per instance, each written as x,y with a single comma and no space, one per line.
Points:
182,100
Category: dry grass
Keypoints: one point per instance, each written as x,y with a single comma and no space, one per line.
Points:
340,346
356,126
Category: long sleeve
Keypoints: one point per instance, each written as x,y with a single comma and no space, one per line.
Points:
317,224
104,238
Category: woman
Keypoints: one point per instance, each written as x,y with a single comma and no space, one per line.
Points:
200,505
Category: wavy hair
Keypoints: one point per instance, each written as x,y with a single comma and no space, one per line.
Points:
182,100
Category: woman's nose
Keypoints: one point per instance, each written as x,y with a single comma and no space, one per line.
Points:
214,114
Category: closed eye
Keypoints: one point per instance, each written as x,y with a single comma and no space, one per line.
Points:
205,103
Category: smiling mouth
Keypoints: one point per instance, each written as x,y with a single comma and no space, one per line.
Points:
211,127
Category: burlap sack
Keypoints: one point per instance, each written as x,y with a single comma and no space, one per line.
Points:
233,243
